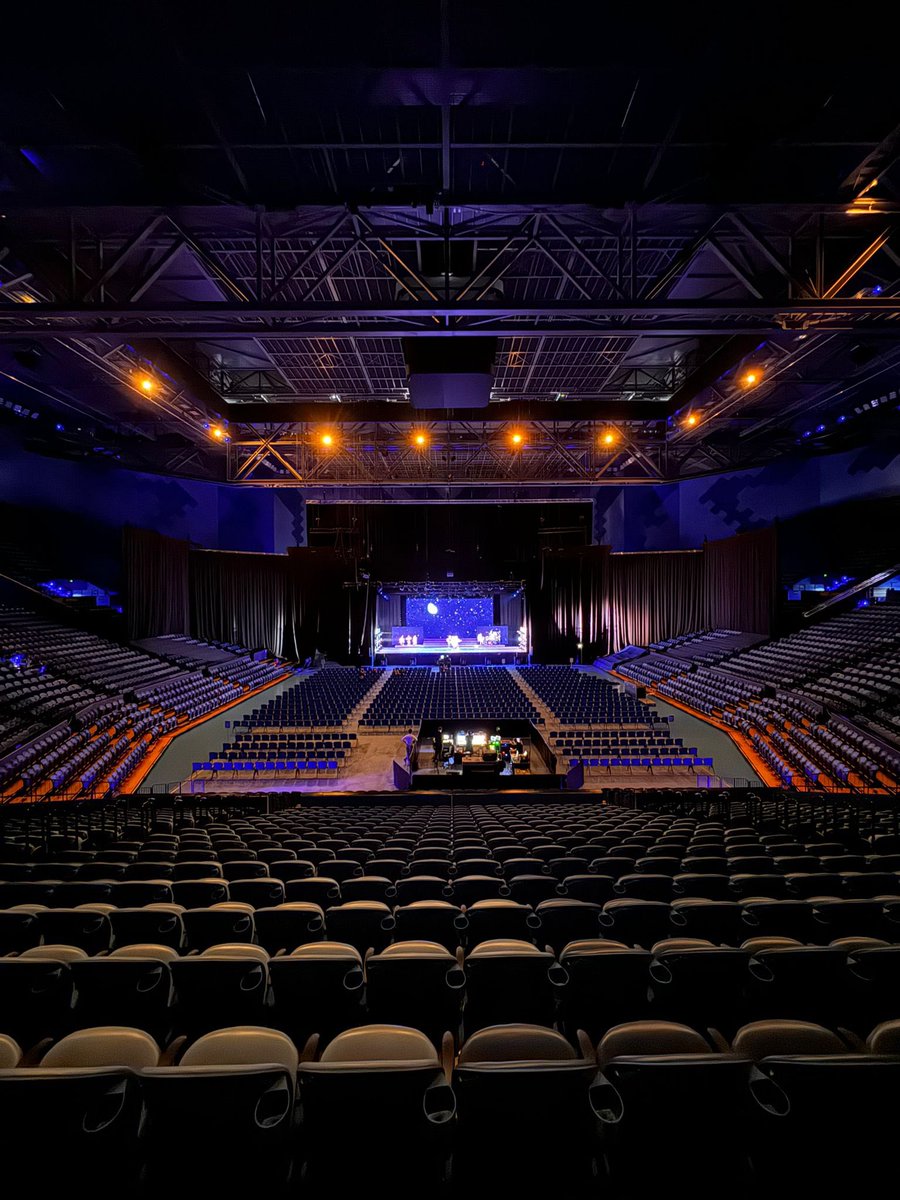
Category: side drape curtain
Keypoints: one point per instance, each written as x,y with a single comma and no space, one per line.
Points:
509,610
390,612
250,599
156,583
566,600
332,618
740,581
654,595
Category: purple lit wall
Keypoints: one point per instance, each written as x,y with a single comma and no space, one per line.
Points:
682,516
88,504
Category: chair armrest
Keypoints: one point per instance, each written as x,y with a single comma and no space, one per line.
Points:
310,1051
448,1054
721,1043
33,1056
173,1052
585,1046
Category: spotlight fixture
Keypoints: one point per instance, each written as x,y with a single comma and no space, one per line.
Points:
516,439
608,438
420,439
691,420
217,432
146,384
327,439
751,377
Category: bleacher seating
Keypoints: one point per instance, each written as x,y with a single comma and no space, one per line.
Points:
793,698
79,713
563,972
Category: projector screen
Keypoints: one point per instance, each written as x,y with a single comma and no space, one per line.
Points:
461,615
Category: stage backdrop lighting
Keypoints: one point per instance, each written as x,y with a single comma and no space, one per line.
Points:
462,615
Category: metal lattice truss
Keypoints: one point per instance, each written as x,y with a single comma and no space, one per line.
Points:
618,311
451,587
467,452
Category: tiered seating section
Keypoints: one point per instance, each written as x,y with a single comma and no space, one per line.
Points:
790,696
191,652
78,713
709,646
421,693
811,655
591,982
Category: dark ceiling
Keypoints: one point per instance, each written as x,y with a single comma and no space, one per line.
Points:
255,204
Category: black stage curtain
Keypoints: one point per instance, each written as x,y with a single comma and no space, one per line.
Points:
391,612
653,596
331,617
246,598
509,610
156,583
566,603
740,581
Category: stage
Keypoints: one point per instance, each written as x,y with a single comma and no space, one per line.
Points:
468,653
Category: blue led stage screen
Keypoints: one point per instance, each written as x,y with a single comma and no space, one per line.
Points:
439,616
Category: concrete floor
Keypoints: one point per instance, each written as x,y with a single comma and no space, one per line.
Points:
195,745
728,762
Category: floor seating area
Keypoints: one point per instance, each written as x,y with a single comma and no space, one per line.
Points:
279,756
608,750
78,713
582,697
325,698
413,694
587,974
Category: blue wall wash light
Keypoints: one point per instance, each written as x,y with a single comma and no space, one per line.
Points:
432,609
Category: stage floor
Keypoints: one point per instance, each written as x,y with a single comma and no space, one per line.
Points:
438,647
469,653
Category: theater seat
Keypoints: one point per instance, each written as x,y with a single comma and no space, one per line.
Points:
606,982
10,1052
104,1046
524,1085
318,988
510,981
650,1037
234,1090
373,1086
